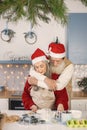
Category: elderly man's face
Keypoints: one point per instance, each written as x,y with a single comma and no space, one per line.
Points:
56,61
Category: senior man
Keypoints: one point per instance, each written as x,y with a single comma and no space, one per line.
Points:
61,71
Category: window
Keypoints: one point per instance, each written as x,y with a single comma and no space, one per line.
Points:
77,38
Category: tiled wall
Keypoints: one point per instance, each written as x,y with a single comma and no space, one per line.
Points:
79,72
13,76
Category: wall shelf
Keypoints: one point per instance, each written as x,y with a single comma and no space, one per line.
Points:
15,62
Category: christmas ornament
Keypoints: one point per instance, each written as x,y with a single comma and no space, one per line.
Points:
7,34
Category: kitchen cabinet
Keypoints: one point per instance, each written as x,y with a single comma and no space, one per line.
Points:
79,104
3,104
11,100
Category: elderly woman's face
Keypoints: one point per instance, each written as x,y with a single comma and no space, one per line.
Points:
40,67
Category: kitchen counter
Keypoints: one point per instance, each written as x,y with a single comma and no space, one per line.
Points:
74,95
78,95
15,126
48,126
9,94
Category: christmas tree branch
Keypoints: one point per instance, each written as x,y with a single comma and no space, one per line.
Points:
34,10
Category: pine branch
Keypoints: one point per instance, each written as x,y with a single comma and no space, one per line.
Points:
33,10
84,2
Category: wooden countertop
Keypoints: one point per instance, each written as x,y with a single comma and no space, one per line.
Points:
74,95
8,94
78,95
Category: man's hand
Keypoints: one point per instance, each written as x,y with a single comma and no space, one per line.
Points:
34,108
50,83
60,108
32,80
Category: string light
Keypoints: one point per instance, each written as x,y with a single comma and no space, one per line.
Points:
14,76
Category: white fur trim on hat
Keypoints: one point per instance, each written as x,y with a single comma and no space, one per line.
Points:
37,59
56,55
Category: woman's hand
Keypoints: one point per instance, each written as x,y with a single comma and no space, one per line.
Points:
32,80
34,108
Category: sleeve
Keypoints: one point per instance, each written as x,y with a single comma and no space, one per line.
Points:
26,98
65,77
61,98
42,84
39,77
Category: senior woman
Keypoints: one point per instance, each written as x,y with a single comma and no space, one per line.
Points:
36,97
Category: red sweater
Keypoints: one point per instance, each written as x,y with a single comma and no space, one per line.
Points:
26,97
61,95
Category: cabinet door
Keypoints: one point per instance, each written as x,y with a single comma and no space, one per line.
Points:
78,105
3,104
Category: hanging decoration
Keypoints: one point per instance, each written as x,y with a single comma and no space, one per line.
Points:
30,37
33,10
7,34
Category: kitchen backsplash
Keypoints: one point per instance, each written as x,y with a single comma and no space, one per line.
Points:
79,72
13,76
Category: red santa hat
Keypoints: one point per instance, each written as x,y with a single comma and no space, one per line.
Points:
38,55
56,50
